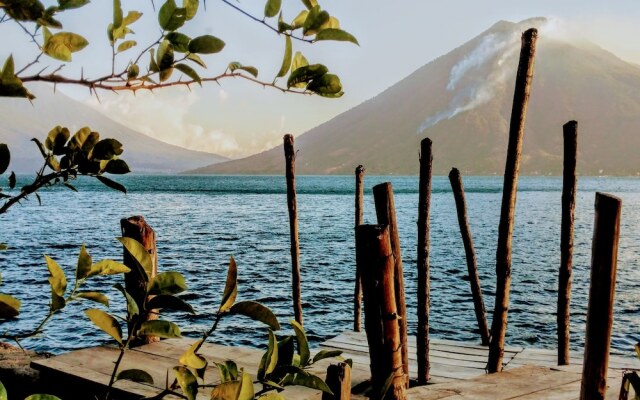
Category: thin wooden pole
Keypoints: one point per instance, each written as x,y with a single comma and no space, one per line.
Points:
290,157
472,266
604,259
507,212
339,381
137,228
569,184
386,215
424,204
357,296
379,291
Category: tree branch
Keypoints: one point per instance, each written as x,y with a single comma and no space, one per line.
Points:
262,21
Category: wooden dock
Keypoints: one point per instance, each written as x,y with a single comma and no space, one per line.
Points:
457,370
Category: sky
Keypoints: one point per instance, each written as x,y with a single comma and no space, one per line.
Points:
238,118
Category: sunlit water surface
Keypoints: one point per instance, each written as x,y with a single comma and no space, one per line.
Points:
203,220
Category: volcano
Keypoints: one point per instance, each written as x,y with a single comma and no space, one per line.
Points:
462,101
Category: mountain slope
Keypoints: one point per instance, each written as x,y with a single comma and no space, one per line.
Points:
463,99
21,121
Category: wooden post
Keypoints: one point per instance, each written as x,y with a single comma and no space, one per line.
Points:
357,295
137,228
604,258
507,211
339,381
569,184
379,287
386,215
424,204
290,157
472,267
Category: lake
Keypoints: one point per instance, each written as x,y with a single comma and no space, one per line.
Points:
201,221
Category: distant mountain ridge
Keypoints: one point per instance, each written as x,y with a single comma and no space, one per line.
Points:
462,101
20,121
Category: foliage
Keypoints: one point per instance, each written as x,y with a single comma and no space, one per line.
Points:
61,296
174,58
66,157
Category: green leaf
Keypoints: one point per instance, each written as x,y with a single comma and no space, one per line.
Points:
283,26
166,301
327,85
311,381
135,375
272,8
314,21
118,167
69,4
171,17
42,397
57,139
179,41
336,34
322,354
226,391
191,7
94,296
8,70
132,16
187,381
57,302
228,371
165,57
190,72
105,322
126,45
79,139
191,359
106,149
3,392
84,263
139,253
113,185
256,311
132,306
196,59
206,44
299,61
57,280
272,354
236,65
62,44
230,288
303,343
170,282
108,267
133,71
306,74
117,14
298,21
160,328
153,66
5,157
310,3
286,351
286,60
165,74
246,387
332,23
9,306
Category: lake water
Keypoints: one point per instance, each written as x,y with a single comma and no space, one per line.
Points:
201,221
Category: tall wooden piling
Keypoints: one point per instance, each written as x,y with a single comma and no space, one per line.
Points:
290,158
137,228
569,185
382,320
507,211
357,293
472,267
386,215
604,258
424,205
